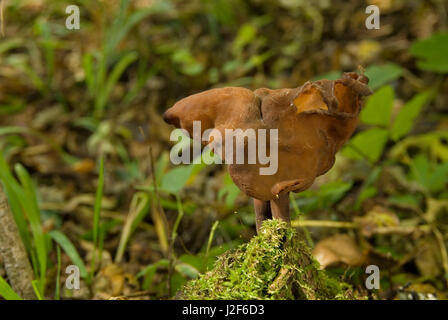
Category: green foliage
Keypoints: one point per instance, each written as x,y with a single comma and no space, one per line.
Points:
222,11
368,189
431,143
210,240
138,210
332,75
6,292
431,177
369,144
427,171
190,47
57,293
188,64
105,88
327,195
97,234
32,213
174,180
149,272
37,289
65,243
378,108
229,192
380,75
432,53
404,121
48,43
22,198
245,35
186,267
23,202
100,81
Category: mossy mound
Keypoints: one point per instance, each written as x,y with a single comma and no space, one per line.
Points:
276,264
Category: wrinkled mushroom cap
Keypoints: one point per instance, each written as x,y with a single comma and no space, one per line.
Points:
313,122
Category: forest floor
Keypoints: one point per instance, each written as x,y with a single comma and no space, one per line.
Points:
84,151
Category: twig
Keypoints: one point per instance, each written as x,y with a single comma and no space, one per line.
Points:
171,256
403,230
300,218
13,253
283,279
158,215
2,24
134,295
439,237
324,224
209,244
443,250
157,212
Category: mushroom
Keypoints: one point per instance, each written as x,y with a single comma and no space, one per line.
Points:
313,123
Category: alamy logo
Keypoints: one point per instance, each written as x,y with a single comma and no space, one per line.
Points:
373,20
231,148
72,282
373,281
72,21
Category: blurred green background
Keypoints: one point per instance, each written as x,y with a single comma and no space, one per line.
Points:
84,150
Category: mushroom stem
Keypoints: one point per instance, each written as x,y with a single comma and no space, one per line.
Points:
277,209
280,207
262,212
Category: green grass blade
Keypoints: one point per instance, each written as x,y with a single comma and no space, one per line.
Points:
87,62
68,247
180,215
12,189
209,243
57,294
123,23
96,215
36,288
138,210
29,203
112,79
98,198
149,271
6,292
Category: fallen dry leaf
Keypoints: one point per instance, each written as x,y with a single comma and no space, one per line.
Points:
428,258
83,166
109,282
338,249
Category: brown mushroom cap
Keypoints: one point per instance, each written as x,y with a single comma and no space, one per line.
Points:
313,123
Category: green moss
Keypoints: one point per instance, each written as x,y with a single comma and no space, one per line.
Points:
276,264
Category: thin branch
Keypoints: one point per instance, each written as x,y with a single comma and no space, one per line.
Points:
2,19
403,230
324,224
443,250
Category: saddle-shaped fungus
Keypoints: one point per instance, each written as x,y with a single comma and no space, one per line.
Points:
313,122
